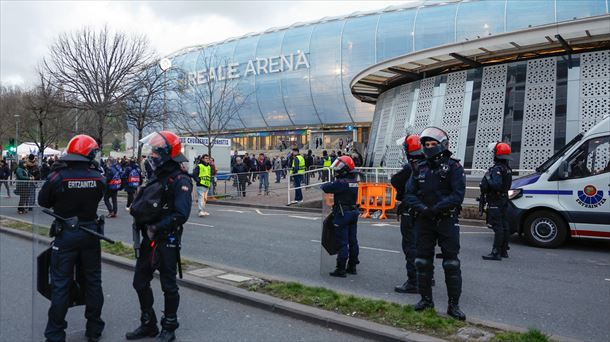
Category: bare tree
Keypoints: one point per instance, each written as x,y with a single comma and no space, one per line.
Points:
145,107
209,101
43,113
97,70
11,104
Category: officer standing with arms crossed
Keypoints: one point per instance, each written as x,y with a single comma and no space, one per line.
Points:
74,188
413,151
436,192
160,225
494,186
345,211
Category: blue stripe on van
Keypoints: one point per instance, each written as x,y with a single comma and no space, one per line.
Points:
548,192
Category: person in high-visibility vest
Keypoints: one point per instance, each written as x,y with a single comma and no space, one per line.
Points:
203,177
297,170
326,163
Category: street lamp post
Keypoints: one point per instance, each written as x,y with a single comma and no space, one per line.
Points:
164,65
16,135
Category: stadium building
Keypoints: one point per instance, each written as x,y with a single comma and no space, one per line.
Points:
530,72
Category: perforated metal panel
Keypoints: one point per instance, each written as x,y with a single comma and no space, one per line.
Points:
374,129
491,114
538,129
424,104
594,88
453,107
402,110
384,123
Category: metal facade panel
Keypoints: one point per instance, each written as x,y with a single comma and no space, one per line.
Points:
424,104
453,108
538,132
402,110
384,123
491,114
594,88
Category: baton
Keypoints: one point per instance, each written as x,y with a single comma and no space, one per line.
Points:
94,233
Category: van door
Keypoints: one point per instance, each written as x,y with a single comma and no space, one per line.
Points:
584,194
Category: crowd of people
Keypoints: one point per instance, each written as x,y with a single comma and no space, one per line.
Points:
247,168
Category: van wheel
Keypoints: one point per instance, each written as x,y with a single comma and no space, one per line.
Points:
545,229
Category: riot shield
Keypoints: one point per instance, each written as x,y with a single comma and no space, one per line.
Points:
328,239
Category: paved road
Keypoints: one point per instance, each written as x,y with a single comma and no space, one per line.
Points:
563,291
202,317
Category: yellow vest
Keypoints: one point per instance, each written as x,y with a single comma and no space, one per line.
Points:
301,162
327,162
205,175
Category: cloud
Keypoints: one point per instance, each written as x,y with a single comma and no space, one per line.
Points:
28,28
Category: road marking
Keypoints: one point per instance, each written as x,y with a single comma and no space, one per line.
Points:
200,224
384,225
233,211
371,248
608,279
476,232
258,211
304,217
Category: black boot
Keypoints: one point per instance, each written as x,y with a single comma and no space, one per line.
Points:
453,310
407,287
168,325
424,303
340,270
494,255
351,268
148,327
504,251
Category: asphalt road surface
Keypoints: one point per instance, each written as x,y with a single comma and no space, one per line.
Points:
202,317
562,291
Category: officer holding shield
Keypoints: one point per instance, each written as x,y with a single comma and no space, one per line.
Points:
74,188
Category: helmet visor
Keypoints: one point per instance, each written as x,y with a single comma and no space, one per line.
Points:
434,133
156,143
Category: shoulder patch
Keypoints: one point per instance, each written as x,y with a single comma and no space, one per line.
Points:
184,188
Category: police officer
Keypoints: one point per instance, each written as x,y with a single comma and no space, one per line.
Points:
495,185
345,211
74,188
413,151
436,192
161,234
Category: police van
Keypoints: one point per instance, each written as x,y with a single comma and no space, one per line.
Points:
568,195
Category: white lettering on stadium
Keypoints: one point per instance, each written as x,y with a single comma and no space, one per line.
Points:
257,66
88,184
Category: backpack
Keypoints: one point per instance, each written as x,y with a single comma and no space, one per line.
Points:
150,201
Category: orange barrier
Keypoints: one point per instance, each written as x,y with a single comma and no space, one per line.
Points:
374,196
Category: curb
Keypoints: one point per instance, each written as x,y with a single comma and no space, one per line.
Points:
261,206
328,319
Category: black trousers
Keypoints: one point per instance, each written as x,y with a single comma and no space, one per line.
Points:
444,231
409,239
111,194
130,196
74,247
497,220
163,257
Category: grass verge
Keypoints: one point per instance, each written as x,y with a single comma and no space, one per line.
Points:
383,312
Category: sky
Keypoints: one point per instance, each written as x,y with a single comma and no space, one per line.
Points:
28,28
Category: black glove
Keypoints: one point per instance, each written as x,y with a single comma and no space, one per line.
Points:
151,231
430,212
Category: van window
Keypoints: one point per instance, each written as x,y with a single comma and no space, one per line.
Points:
592,158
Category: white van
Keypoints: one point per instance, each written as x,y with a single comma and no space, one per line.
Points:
568,196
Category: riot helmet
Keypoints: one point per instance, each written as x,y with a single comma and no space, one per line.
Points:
164,146
501,150
412,146
434,134
343,165
81,148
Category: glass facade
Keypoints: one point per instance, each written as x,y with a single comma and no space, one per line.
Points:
300,75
